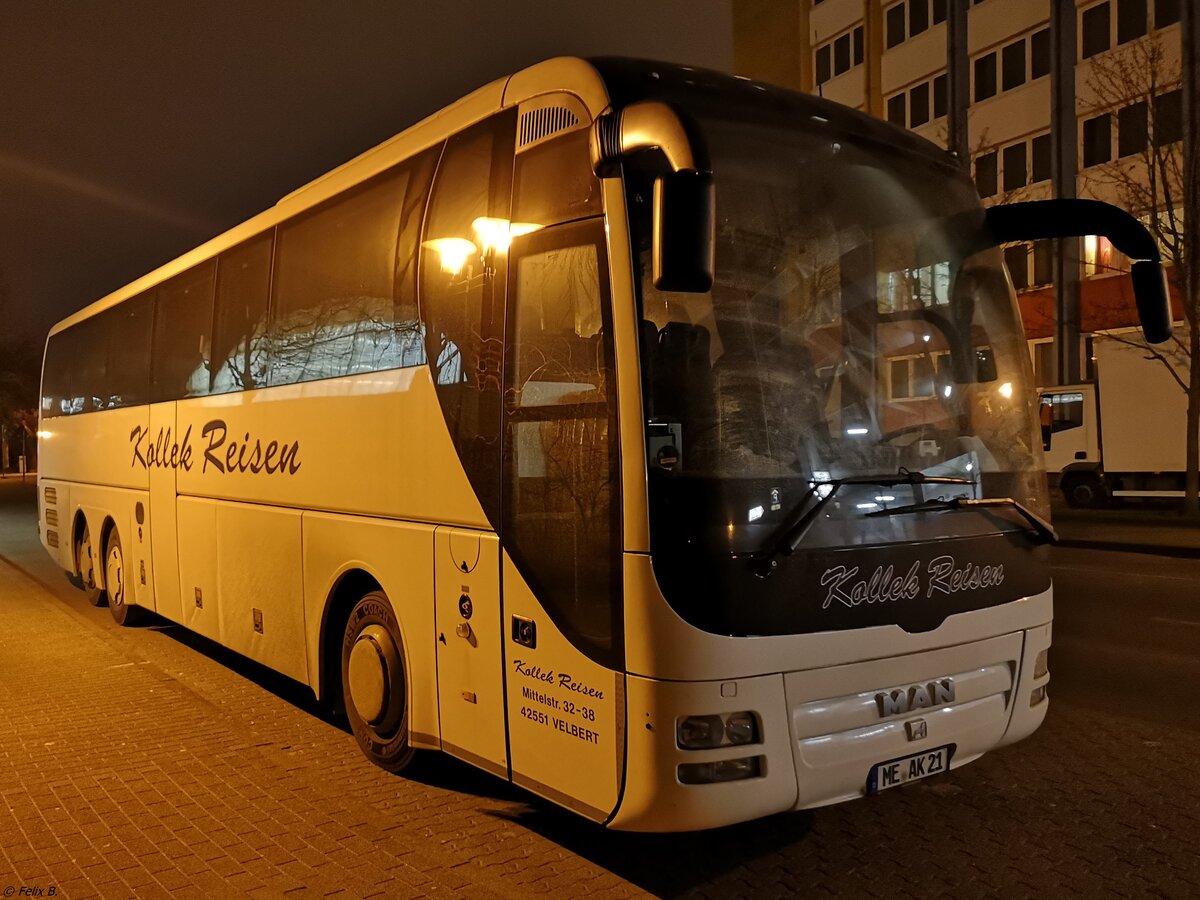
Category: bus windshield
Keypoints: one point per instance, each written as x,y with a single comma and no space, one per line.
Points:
853,329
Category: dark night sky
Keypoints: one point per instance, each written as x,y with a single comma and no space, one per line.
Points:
133,131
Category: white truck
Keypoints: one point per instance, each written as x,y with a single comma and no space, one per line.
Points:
1123,435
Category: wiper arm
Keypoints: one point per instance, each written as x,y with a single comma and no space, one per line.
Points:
792,533
1038,525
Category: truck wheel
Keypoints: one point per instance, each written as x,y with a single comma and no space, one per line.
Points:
1084,491
373,683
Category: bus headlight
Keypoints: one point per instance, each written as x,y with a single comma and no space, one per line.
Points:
724,730
721,770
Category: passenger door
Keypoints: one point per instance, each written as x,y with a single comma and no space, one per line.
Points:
561,513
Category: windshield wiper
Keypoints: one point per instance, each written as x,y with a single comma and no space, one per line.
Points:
1038,525
794,529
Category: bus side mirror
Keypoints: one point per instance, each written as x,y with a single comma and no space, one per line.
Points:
684,227
684,236
1153,300
1044,219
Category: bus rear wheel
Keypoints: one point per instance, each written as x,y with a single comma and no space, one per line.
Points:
116,586
373,683
85,561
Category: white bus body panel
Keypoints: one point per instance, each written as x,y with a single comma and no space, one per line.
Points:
399,556
345,444
163,526
814,697
470,633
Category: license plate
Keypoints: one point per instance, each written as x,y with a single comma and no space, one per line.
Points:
904,769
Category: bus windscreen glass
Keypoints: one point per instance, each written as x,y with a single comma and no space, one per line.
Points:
853,330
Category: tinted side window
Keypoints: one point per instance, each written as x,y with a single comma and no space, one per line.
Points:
58,373
124,332
333,292
239,357
183,335
463,267
554,182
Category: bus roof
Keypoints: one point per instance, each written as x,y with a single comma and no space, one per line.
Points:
596,81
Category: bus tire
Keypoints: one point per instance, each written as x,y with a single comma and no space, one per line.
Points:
116,586
1084,490
374,691
85,562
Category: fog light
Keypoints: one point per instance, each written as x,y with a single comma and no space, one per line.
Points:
1041,665
1037,696
721,770
725,730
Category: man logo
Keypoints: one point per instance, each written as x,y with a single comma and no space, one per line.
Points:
918,696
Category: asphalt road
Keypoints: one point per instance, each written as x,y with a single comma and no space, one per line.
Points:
149,762
1127,634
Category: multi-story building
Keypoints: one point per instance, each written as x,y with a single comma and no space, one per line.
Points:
889,58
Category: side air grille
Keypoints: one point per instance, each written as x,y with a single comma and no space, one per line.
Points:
52,517
539,124
51,495
52,538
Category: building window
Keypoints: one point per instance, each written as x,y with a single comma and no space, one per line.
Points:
985,77
1043,263
1100,257
911,377
985,174
918,16
1166,12
1133,129
1042,149
1039,54
824,63
1015,170
1168,118
939,12
918,105
896,109
895,25
1131,20
1016,259
1095,27
939,96
841,54
1012,62
1097,140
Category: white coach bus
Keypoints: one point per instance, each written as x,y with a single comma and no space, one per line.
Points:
573,432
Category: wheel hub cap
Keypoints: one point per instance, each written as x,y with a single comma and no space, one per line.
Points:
374,663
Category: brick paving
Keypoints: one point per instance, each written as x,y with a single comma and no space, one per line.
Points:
146,762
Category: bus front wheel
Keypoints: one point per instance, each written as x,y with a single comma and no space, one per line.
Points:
116,585
373,683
